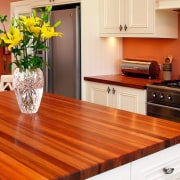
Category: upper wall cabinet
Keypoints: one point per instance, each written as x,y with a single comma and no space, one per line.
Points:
43,3
168,4
131,16
136,18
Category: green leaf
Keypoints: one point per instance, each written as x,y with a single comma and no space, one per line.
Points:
5,18
46,64
48,8
41,10
1,31
17,21
46,17
18,52
9,67
57,24
12,21
34,13
28,33
12,29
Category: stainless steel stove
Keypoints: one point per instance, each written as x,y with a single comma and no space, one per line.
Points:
163,100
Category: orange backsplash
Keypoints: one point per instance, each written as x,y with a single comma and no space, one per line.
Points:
154,49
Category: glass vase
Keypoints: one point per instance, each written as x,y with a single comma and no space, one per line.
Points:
28,87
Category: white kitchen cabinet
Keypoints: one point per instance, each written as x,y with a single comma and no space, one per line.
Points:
129,99
127,16
125,98
119,173
43,3
147,168
99,93
136,18
151,167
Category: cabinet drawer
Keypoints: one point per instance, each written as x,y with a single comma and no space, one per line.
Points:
151,167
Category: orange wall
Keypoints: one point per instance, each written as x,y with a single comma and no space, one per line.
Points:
154,49
5,10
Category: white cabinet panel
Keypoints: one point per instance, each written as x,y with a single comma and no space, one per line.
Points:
99,94
151,167
112,15
126,16
127,102
140,16
119,173
147,168
125,98
130,99
136,18
43,3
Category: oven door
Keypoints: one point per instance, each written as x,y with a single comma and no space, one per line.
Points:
163,112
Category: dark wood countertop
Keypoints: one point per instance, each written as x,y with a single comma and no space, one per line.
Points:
119,80
70,139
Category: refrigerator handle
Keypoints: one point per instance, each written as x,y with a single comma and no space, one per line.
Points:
78,54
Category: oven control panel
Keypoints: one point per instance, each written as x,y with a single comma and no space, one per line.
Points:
163,96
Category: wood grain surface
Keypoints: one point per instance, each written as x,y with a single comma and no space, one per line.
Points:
70,139
119,80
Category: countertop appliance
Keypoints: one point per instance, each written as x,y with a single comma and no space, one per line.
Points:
140,68
63,56
163,100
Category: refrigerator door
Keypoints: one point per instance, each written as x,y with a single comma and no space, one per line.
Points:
64,76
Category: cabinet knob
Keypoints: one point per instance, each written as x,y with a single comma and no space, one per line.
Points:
108,90
120,27
113,91
125,27
168,170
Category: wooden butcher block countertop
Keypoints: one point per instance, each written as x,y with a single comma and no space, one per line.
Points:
72,139
119,80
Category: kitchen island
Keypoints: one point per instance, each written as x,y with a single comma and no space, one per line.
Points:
69,139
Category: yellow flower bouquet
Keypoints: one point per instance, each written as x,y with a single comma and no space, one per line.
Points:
26,37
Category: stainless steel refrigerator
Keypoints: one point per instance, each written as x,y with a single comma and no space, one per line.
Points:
63,56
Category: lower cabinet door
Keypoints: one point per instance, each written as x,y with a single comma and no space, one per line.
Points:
119,173
125,98
163,165
130,99
99,93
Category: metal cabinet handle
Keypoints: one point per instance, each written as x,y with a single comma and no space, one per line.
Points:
108,90
168,170
125,27
120,27
113,91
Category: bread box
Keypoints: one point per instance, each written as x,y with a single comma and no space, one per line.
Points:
140,68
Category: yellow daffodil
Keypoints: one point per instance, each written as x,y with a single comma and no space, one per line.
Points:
12,38
48,32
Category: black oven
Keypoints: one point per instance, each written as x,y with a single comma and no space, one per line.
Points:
163,100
